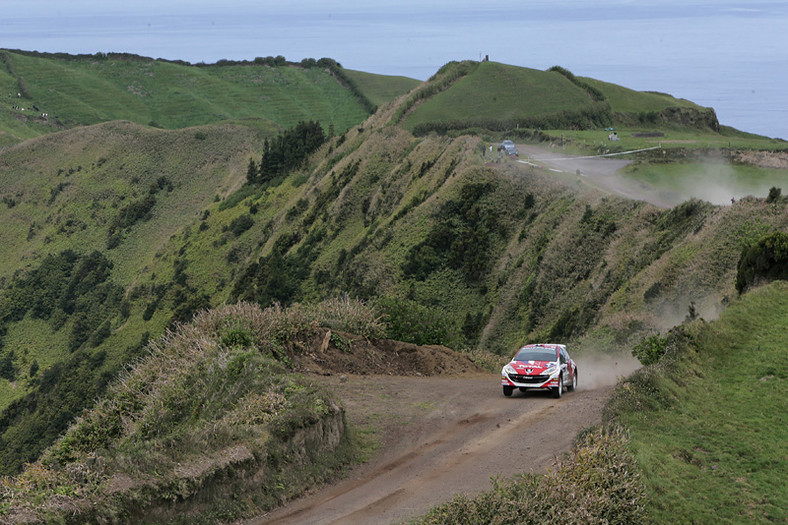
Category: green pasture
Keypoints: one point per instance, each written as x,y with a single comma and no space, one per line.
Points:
597,140
716,179
625,100
501,92
169,95
380,89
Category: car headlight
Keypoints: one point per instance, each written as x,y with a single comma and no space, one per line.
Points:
508,369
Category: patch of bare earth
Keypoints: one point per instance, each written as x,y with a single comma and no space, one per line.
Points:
763,159
443,425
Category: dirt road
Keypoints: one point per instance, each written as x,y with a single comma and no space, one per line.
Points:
443,436
600,172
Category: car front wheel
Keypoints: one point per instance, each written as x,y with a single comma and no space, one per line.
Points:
507,390
559,390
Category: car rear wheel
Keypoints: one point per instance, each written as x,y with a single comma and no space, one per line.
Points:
559,390
507,390
574,382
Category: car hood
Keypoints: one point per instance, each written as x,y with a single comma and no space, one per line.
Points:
529,367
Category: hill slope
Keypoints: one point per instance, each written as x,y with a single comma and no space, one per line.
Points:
708,422
497,97
49,92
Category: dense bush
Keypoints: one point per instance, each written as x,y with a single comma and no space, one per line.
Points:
240,224
64,287
466,231
286,152
414,323
650,349
766,261
33,422
136,211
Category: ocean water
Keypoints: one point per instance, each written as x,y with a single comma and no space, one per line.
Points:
729,55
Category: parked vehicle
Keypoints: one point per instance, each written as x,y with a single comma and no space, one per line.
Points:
540,366
509,147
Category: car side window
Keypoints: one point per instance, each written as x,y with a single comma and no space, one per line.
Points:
563,356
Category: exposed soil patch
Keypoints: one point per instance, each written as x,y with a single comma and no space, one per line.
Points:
763,159
340,353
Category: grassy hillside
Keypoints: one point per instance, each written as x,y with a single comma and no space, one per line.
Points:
469,255
625,100
503,92
380,89
494,97
83,90
114,232
65,190
707,425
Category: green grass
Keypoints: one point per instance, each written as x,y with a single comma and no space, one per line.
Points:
715,180
104,168
627,100
718,451
502,92
91,90
596,140
380,89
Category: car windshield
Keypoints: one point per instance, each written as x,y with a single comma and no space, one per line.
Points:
536,354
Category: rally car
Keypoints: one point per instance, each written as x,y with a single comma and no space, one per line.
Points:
540,366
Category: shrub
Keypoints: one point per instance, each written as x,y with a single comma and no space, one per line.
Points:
650,349
414,323
240,224
767,260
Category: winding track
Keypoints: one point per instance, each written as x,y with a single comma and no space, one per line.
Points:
444,435
599,171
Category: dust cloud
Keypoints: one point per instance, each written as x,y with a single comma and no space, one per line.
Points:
716,181
598,370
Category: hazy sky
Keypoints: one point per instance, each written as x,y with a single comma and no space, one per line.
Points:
728,54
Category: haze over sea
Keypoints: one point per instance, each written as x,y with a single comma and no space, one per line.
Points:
731,55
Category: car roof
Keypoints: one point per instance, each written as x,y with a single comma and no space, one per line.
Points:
544,345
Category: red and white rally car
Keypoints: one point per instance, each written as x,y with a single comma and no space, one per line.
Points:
540,366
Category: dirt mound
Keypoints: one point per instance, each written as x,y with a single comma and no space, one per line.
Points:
331,352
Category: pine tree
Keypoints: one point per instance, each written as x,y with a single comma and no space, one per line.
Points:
252,173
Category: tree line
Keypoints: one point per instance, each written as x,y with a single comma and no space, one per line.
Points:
286,152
